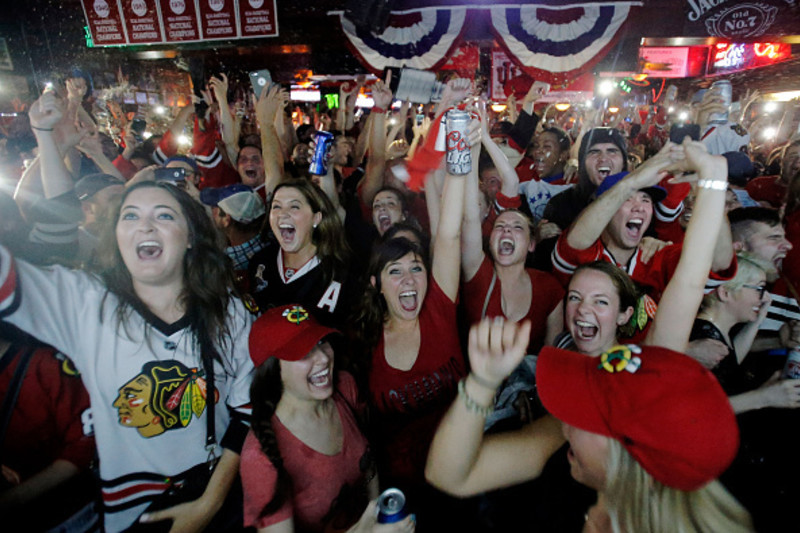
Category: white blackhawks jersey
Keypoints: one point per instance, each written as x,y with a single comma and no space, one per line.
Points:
145,378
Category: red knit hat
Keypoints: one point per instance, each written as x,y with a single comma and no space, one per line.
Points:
288,332
668,411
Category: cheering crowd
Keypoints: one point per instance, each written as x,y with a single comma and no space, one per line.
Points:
219,325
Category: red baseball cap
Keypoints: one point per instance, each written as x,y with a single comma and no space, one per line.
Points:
288,333
668,411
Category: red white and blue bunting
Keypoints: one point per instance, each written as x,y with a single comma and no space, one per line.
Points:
558,43
422,39
551,40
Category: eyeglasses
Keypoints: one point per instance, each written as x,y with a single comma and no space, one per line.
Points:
760,288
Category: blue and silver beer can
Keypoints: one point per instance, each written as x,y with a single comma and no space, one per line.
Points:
391,506
319,162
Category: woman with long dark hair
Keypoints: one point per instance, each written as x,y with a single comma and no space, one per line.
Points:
160,307
310,264
407,321
305,464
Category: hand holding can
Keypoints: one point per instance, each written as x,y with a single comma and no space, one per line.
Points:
459,157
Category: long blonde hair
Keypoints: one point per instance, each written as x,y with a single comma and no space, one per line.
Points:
637,503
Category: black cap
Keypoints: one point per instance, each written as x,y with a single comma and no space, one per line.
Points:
90,185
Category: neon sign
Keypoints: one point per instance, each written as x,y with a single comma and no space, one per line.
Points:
731,57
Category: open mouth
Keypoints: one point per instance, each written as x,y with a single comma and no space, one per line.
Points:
287,231
384,222
506,247
408,300
148,250
585,330
251,173
321,378
604,172
634,226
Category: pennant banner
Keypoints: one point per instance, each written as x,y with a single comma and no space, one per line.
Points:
558,44
422,39
549,40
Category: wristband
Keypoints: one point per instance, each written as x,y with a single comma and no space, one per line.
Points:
376,109
41,129
716,185
471,405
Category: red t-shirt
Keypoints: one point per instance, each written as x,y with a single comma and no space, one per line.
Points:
546,295
320,483
767,189
409,403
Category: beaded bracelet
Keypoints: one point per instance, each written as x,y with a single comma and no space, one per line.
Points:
376,109
471,405
716,185
41,129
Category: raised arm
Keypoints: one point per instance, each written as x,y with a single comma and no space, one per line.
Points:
45,114
219,87
373,174
463,462
684,292
447,246
510,186
471,236
268,105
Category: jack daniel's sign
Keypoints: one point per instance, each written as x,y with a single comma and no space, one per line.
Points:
731,19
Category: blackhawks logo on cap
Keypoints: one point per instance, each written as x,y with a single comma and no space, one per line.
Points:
296,314
620,358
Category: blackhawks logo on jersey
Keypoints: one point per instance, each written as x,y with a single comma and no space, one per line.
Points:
165,395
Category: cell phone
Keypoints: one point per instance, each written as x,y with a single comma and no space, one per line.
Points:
420,118
679,131
175,175
260,80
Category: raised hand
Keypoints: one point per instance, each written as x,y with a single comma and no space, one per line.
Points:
219,87
496,347
456,90
46,112
381,95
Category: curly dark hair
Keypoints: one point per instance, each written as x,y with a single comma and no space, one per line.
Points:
207,274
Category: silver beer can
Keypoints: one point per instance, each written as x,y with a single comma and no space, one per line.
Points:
724,90
459,158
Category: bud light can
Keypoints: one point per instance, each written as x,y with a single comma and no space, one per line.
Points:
322,149
723,90
391,506
792,368
459,158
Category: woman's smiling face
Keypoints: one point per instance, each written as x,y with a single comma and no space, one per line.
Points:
292,220
404,284
592,312
153,236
